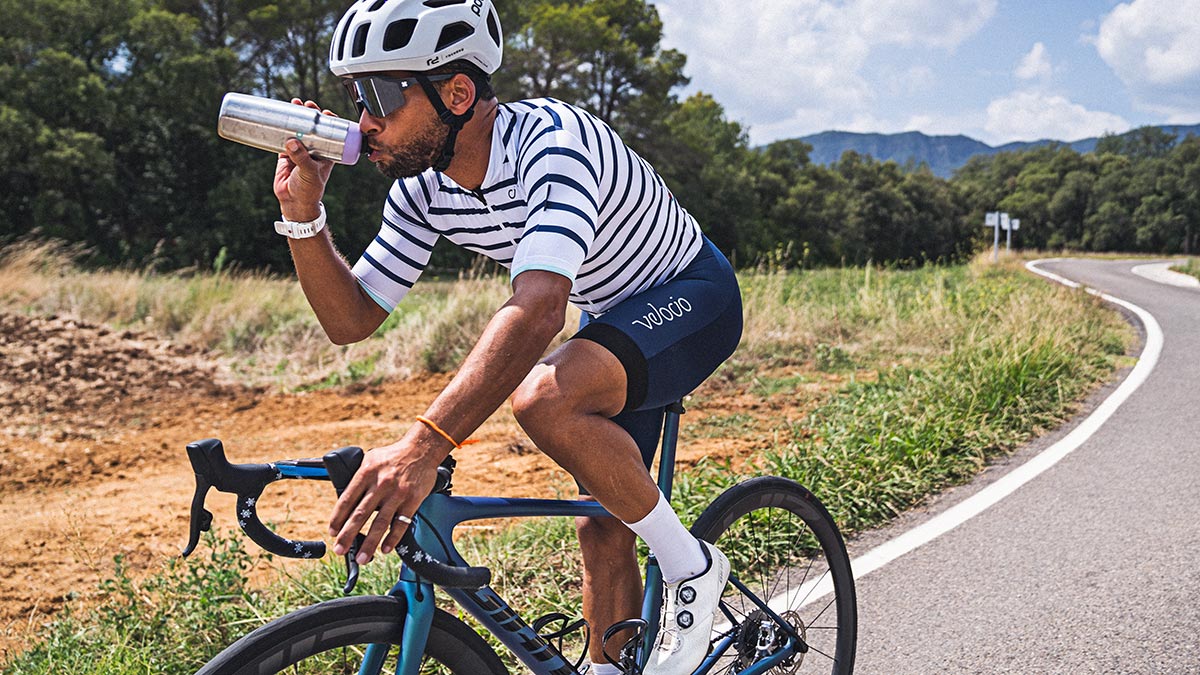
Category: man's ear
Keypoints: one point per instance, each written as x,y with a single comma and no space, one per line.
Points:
461,94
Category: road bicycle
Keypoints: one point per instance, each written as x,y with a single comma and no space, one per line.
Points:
789,606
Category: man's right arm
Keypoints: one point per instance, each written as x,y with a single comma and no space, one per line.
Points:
343,308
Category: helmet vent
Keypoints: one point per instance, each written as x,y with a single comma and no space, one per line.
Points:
360,41
443,3
398,34
341,48
455,32
377,4
493,27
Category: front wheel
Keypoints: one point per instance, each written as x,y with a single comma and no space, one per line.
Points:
784,546
330,638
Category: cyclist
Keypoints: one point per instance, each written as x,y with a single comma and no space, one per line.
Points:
551,192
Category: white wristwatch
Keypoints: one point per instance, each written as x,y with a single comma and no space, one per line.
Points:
296,230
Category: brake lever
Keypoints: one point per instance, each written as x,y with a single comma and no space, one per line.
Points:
352,564
342,465
200,519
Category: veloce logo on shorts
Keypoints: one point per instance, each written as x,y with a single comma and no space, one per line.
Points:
657,316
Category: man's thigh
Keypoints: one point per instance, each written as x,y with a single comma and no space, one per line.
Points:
670,338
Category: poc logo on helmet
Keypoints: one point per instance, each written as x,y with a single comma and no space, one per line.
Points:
476,6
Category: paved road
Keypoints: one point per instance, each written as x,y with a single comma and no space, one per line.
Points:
1091,567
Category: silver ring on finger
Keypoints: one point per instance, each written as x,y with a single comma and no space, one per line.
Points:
403,519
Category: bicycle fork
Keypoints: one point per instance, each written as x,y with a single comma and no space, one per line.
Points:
418,617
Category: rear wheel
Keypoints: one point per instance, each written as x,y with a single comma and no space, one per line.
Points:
330,638
784,546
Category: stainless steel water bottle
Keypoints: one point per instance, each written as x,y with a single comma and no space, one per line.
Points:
267,124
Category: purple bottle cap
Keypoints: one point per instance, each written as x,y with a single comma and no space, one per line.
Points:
353,149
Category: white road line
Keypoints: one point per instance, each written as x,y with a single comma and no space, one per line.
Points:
1163,274
977,503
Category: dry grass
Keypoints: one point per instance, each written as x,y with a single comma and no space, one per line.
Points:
259,325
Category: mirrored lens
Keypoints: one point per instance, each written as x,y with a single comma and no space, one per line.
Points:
352,92
380,95
377,95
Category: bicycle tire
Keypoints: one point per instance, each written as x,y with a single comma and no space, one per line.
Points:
306,640
777,535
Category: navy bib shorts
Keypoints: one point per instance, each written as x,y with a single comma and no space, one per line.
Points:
670,339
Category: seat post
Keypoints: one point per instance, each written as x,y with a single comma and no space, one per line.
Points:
666,458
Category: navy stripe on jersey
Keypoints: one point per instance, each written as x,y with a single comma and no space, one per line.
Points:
407,234
385,271
562,193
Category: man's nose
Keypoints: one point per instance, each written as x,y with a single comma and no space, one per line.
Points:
368,123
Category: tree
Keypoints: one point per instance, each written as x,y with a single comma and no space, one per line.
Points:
603,55
58,168
707,169
1141,143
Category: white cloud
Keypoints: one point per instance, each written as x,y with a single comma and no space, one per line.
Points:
930,23
1154,48
768,63
1035,65
965,123
790,67
1183,117
1034,115
903,80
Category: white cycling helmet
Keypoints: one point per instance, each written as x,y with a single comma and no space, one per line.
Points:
415,35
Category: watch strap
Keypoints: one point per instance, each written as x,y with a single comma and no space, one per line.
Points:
302,230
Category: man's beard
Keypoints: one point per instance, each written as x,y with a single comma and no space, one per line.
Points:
417,154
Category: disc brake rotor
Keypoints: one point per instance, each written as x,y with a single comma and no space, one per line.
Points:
761,637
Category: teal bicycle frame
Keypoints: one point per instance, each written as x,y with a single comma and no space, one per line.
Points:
434,524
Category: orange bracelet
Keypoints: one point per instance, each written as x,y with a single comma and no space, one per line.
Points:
430,423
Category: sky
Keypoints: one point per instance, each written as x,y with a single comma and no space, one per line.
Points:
995,70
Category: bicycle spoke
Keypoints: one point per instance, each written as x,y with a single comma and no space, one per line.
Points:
781,562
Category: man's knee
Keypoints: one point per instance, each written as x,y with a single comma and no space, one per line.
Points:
536,396
581,377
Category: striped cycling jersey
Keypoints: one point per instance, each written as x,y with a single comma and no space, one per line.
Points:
562,193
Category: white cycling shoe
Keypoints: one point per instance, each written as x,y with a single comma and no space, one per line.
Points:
687,618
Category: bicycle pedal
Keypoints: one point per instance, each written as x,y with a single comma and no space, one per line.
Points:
627,659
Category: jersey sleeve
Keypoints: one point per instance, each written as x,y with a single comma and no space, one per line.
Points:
395,259
561,178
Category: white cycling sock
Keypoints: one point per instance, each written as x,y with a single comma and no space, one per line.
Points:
678,552
604,669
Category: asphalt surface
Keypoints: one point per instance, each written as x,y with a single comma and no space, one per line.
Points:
1091,567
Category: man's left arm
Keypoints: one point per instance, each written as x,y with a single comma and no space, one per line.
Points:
394,479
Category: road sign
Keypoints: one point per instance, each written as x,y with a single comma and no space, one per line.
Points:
1004,221
1016,223
991,220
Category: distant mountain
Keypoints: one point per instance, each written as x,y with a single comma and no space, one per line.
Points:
943,154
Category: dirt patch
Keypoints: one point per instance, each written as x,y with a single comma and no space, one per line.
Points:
70,391
94,422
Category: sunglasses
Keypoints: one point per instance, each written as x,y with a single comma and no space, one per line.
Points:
380,95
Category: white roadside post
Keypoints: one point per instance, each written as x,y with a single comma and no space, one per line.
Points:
992,220
1013,225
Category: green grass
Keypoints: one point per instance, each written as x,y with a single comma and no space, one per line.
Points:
169,622
958,365
1192,267
733,425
